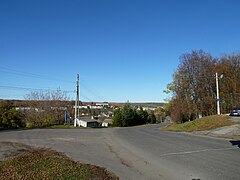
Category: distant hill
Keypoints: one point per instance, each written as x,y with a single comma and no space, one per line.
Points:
143,104
26,103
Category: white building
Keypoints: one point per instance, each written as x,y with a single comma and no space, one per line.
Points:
107,122
87,123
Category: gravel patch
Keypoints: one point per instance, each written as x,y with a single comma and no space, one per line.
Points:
231,132
8,149
234,119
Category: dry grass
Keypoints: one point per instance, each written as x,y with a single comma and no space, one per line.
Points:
49,164
205,123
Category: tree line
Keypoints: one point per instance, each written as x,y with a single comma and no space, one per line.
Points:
129,116
193,88
41,109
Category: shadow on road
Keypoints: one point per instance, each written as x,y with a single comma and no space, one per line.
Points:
235,143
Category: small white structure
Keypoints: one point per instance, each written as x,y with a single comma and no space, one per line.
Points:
86,122
107,122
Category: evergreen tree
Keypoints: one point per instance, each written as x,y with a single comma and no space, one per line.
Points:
128,115
117,119
152,118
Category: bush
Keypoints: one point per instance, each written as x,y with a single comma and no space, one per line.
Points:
11,118
128,116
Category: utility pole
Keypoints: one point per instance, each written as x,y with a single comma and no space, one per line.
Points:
76,102
217,88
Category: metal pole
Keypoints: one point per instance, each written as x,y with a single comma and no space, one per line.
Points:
218,105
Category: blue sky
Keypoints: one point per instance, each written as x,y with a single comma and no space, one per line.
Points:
122,49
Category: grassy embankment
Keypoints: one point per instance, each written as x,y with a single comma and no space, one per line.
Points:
49,164
202,124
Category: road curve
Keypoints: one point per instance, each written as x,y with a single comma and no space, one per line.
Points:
142,152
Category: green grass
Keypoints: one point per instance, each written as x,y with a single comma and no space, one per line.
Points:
205,123
62,126
49,164
67,126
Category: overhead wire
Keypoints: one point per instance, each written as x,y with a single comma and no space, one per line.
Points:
31,89
83,84
33,75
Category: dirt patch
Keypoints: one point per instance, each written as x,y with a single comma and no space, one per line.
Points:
9,149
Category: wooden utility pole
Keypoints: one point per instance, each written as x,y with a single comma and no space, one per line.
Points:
76,102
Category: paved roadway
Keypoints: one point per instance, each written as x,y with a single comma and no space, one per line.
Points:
142,152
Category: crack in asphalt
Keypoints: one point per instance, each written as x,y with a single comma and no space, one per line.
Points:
123,162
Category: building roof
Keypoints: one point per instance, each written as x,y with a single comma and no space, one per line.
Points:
88,120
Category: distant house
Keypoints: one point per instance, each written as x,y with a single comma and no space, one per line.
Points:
94,106
149,108
23,108
107,122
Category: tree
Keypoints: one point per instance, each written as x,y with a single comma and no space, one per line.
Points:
117,119
9,116
48,107
128,116
193,86
142,116
152,118
229,85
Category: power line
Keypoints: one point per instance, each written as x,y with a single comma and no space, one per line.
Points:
31,89
93,93
85,97
31,75
38,76
41,89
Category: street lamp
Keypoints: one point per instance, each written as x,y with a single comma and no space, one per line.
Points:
218,99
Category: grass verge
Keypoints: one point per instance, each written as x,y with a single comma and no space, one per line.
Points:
63,126
49,164
202,124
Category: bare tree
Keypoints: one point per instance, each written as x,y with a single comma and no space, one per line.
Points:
193,85
194,88
47,107
229,66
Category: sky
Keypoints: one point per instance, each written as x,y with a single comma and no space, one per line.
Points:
123,50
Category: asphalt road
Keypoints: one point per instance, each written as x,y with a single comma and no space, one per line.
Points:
142,152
